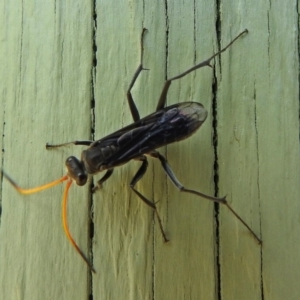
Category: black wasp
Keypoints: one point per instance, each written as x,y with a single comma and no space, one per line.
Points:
166,125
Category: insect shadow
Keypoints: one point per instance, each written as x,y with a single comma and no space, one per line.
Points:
165,126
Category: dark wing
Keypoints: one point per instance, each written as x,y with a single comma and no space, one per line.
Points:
168,125
142,124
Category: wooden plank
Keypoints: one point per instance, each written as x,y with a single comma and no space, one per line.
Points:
50,78
46,51
122,242
134,260
259,150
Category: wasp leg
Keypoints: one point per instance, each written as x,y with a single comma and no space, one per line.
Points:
104,178
133,109
176,182
173,178
83,143
163,97
139,174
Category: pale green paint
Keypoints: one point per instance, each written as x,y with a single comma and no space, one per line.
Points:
46,61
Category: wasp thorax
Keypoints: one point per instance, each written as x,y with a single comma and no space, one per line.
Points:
94,158
76,170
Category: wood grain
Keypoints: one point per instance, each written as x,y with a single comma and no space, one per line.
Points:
56,58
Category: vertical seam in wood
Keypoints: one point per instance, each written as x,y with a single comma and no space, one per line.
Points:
215,147
258,190
92,136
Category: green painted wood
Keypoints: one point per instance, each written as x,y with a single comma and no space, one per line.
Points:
48,81
46,75
259,154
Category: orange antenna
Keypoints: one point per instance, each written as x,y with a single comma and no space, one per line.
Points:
64,207
36,189
66,228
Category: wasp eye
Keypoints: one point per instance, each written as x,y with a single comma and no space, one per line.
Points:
81,179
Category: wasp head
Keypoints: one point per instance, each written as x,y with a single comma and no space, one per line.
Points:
76,170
